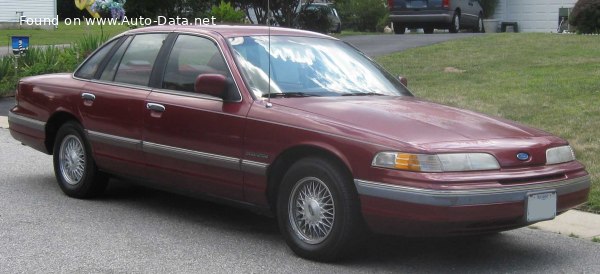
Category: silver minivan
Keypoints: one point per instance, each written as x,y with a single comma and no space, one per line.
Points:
453,15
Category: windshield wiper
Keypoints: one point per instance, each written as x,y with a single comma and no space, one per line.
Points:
289,94
363,94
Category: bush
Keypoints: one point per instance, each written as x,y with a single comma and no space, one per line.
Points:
489,7
362,15
88,43
314,20
383,22
44,60
585,16
224,12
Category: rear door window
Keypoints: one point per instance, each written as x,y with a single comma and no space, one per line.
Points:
109,71
137,62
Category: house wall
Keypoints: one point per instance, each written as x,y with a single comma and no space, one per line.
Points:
30,9
532,15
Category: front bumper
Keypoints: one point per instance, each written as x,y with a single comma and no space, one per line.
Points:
395,209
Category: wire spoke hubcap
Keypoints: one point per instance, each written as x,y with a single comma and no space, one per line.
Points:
311,210
72,159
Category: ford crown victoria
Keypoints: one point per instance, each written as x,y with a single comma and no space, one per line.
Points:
296,124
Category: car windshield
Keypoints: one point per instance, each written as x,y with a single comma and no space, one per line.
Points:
302,66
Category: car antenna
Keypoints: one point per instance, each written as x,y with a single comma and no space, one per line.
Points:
269,105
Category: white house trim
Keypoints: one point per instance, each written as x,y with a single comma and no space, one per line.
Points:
30,9
532,15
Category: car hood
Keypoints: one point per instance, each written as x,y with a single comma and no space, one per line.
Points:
410,120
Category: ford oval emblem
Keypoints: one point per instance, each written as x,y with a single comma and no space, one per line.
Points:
523,156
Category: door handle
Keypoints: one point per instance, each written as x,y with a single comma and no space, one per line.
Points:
155,107
88,96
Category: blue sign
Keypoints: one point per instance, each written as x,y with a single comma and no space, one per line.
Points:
20,44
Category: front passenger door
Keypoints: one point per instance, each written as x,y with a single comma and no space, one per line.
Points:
193,141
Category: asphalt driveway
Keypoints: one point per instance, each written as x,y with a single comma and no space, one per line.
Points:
381,44
6,104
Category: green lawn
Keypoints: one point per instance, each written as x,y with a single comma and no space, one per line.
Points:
62,35
548,81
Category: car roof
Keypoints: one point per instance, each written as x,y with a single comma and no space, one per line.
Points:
230,30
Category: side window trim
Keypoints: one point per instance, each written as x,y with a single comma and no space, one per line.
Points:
156,76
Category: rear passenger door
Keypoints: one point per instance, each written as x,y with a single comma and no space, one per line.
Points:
113,103
193,141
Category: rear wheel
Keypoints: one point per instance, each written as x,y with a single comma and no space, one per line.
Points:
74,167
455,25
318,210
479,27
399,28
428,30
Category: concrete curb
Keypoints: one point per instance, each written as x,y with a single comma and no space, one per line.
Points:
573,223
3,122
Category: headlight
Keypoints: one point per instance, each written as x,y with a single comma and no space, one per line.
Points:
557,155
436,162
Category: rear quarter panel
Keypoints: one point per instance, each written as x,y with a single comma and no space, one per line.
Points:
38,98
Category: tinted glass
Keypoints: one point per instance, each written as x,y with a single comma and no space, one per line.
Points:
310,67
109,71
190,57
88,69
137,62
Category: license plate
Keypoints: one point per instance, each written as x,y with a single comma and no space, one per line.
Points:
416,4
541,206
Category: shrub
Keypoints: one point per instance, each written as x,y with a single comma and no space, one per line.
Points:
489,7
314,19
7,75
224,12
45,60
7,66
88,43
383,22
585,16
362,15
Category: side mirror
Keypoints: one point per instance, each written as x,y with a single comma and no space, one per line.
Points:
211,84
403,80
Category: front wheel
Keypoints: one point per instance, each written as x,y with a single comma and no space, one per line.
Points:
74,166
318,210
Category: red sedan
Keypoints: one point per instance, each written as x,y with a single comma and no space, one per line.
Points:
298,125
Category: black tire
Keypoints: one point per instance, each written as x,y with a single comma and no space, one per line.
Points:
479,27
74,167
399,28
428,30
455,24
321,243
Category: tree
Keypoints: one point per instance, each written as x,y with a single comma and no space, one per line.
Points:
168,8
283,11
